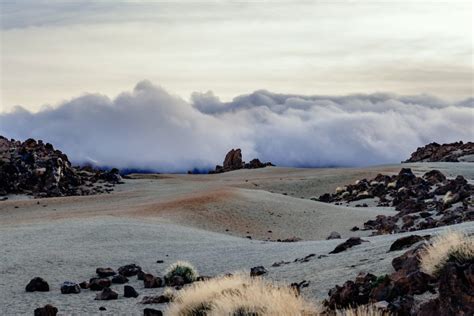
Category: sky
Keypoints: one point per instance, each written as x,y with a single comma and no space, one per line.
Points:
52,51
173,85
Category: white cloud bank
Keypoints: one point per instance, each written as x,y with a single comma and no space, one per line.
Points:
149,128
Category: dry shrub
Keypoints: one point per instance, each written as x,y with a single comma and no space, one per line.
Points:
183,269
363,310
239,295
451,246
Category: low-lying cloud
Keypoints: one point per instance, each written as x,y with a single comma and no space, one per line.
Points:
149,128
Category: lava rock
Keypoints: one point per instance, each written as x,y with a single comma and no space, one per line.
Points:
129,270
106,294
257,271
47,310
105,272
152,312
98,284
70,288
351,242
37,285
150,281
119,279
129,291
405,242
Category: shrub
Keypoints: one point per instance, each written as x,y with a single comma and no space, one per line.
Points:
183,269
363,310
239,295
451,246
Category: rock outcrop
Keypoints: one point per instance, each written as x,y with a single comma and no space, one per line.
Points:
422,202
35,168
233,161
453,152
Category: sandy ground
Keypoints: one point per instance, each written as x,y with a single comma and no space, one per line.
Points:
185,217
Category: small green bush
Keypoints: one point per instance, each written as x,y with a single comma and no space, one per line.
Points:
182,269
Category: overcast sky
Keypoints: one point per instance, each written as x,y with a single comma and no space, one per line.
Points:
53,51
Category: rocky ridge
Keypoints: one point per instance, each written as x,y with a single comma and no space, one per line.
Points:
453,152
35,168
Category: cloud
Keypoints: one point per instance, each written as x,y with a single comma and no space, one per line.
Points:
150,128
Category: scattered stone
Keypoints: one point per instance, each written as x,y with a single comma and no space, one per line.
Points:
47,310
150,281
37,285
102,308
119,279
129,291
351,242
98,284
129,270
105,272
160,261
106,294
334,235
84,285
257,271
70,288
141,275
355,228
152,312
405,242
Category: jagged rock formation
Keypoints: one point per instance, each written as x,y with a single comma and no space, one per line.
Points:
422,202
453,152
35,168
233,161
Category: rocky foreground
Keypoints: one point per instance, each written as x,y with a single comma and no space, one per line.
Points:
35,168
423,202
453,152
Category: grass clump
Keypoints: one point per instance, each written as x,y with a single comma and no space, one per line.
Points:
183,269
449,247
239,295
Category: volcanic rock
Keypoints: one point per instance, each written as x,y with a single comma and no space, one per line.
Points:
150,281
70,288
129,270
37,285
351,242
119,279
233,161
98,284
405,242
152,312
452,152
257,271
105,272
47,310
129,291
106,294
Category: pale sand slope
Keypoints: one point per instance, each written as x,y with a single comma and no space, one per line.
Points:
146,219
72,249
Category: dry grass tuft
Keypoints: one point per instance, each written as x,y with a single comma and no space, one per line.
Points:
451,246
363,310
239,295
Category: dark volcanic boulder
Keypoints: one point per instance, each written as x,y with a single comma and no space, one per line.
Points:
129,291
155,299
98,284
351,242
152,312
150,281
70,288
47,310
119,279
257,271
106,294
37,284
105,272
405,242
129,270
456,289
